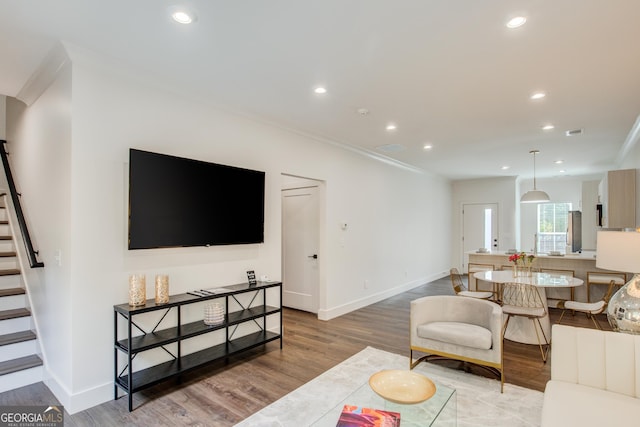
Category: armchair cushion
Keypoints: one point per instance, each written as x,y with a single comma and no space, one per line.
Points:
466,329
457,333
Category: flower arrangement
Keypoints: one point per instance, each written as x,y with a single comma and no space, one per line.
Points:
522,259
522,264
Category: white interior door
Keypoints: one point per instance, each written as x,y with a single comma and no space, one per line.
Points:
479,228
300,241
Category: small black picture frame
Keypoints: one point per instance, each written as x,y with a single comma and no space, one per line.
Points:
251,275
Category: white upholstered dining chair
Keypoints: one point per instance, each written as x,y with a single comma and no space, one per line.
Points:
590,309
459,288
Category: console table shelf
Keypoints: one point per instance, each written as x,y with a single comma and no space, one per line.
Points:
254,313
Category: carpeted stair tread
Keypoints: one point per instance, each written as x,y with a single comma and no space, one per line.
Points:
19,364
11,292
17,337
14,313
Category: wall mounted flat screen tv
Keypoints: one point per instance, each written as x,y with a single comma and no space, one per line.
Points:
177,202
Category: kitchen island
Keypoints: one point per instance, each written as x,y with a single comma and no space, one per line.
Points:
579,263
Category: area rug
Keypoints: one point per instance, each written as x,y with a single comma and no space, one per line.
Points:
479,401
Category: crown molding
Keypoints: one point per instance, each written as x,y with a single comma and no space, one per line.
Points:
44,75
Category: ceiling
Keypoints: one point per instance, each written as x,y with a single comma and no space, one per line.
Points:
446,72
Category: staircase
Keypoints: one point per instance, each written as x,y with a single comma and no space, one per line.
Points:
19,363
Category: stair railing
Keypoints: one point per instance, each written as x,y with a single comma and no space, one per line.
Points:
15,197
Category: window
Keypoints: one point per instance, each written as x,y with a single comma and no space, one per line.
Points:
553,220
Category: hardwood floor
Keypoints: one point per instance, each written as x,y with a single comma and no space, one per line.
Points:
226,393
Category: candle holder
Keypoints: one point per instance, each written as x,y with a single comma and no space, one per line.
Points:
137,290
213,314
162,289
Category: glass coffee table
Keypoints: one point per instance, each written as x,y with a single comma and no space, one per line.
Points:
440,410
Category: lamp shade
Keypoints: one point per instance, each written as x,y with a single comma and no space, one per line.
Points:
534,196
618,251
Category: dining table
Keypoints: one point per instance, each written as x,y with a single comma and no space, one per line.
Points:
522,329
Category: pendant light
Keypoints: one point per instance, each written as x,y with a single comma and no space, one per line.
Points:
535,195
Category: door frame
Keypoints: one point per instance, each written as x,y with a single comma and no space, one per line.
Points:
292,181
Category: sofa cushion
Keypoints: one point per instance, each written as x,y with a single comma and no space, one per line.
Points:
567,404
458,333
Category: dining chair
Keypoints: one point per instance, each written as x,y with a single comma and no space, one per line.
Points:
523,300
590,309
555,297
595,278
459,288
473,282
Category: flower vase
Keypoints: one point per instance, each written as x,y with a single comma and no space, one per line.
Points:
521,271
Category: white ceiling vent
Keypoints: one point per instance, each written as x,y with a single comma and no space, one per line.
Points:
391,148
574,132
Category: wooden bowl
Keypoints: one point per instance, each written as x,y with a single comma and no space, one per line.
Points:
402,386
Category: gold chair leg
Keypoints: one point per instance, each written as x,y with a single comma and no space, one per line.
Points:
561,316
542,352
595,321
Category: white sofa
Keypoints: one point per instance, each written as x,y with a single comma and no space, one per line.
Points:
459,328
595,379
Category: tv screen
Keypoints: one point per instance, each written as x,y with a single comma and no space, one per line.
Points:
176,202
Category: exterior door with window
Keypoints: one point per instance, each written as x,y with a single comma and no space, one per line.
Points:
479,228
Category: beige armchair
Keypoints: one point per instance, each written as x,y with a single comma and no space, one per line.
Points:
465,329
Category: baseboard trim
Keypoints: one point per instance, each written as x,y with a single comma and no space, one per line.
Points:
76,402
328,314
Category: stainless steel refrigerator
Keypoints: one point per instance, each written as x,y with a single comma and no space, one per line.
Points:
574,232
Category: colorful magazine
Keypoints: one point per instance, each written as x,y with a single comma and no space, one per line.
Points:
356,416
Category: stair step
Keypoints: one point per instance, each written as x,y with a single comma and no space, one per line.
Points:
11,291
15,313
6,237
10,272
17,337
7,254
19,364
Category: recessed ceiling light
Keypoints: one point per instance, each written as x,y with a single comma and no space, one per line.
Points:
548,127
363,111
391,127
559,162
320,90
182,15
516,22
427,147
538,95
505,167
562,171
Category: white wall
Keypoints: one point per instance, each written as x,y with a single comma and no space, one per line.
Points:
491,190
399,220
39,141
3,117
632,161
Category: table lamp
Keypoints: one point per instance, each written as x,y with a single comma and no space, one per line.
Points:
620,251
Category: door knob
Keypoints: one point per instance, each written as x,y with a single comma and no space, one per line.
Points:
314,256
